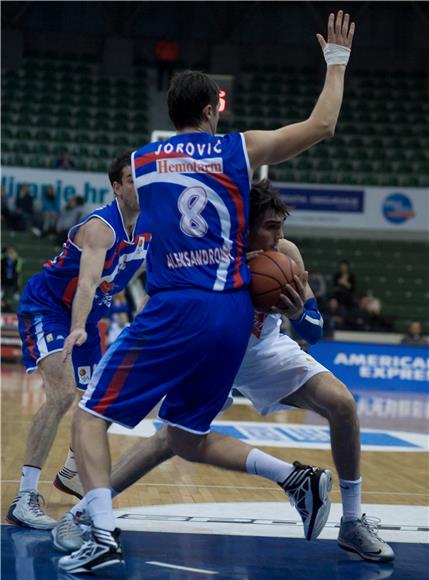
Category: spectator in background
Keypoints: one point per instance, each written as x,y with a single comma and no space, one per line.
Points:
65,161
344,285
166,53
358,316
318,285
6,210
334,318
51,209
71,215
26,216
414,336
11,265
366,315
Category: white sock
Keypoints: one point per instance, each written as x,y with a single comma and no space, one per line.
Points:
100,510
70,461
351,492
30,477
260,463
81,505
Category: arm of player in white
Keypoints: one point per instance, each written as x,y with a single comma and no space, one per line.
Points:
301,307
94,238
290,249
272,147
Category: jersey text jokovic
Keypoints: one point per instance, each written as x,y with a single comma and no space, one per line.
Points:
199,240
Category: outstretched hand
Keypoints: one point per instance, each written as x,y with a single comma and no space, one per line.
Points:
76,338
340,30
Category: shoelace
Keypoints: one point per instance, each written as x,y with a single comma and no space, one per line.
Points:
34,503
372,524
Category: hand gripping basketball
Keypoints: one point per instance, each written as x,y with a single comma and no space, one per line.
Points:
271,272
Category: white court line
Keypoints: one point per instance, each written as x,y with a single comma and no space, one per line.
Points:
197,570
244,487
397,523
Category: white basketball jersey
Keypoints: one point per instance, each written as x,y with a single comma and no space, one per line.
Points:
266,327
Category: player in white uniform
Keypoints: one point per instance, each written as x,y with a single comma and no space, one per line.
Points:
276,373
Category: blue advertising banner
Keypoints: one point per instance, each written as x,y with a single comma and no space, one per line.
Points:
314,199
376,366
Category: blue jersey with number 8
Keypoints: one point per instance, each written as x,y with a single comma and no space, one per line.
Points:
194,198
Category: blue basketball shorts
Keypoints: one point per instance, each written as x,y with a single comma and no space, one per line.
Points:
186,345
44,324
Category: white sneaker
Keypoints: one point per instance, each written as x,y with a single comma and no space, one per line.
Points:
68,535
100,553
26,511
361,536
69,482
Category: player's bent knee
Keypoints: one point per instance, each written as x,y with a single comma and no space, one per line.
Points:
185,444
344,406
163,443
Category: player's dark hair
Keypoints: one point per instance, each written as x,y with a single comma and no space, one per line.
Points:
190,91
263,198
117,165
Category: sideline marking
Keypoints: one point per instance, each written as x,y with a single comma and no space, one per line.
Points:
293,435
405,524
197,570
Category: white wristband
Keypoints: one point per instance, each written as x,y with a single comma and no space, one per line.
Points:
336,54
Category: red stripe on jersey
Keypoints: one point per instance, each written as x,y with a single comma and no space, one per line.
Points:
105,287
63,255
69,291
117,382
241,218
151,157
147,237
29,337
116,253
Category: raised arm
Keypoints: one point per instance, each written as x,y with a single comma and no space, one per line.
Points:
94,238
271,147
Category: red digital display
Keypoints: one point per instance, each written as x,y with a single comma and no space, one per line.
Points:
222,101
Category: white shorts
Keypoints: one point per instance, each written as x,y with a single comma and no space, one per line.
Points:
272,370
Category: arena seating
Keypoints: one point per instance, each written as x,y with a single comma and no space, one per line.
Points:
382,138
396,272
52,106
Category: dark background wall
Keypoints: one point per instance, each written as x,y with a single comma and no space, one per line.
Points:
220,37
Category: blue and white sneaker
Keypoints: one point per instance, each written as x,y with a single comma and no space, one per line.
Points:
101,552
308,488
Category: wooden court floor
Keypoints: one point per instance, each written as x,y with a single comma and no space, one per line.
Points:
400,478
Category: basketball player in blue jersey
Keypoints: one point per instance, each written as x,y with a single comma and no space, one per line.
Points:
68,298
188,343
274,375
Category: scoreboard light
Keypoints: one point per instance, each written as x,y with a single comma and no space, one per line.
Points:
226,93
222,101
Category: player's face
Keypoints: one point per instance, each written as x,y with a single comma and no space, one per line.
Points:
125,190
267,232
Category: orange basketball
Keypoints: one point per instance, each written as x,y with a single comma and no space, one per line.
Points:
271,271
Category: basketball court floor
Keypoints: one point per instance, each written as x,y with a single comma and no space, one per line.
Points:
190,522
